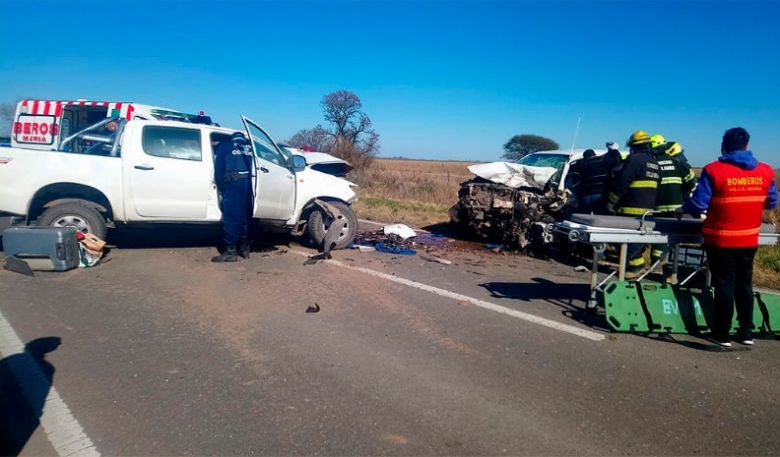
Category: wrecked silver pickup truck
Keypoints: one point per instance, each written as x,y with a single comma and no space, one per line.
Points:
512,203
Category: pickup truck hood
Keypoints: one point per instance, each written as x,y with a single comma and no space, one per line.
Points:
325,163
514,175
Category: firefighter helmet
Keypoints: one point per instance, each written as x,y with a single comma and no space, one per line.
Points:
657,140
637,138
673,149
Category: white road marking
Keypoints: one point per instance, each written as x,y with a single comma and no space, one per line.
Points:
62,429
549,323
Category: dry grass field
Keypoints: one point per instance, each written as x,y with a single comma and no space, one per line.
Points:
768,259
420,193
415,192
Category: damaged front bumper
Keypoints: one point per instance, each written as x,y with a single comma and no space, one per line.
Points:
518,218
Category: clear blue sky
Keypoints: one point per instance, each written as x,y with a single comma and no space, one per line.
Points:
442,80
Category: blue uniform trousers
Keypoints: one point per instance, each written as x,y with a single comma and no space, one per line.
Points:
237,207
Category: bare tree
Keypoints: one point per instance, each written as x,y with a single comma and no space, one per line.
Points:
315,139
349,134
351,127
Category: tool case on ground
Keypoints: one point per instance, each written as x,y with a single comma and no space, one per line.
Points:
43,248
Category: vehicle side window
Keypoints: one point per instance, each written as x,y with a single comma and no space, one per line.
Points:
216,140
172,142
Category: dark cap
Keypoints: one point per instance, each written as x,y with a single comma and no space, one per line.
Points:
588,153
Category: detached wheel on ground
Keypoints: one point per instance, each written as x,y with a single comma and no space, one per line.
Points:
84,218
319,221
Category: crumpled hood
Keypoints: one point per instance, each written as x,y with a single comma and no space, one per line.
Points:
514,175
742,159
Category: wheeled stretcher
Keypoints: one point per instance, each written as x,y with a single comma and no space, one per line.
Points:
646,306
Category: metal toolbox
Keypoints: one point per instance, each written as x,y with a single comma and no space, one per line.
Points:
43,248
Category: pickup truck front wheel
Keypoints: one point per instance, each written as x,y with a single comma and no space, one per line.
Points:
84,218
319,221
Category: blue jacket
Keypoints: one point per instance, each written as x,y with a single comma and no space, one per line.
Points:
233,156
700,200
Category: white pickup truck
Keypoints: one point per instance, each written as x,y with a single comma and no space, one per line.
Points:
159,171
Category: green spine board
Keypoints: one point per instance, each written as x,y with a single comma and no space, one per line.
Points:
652,307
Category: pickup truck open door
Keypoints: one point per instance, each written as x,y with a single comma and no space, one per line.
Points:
274,182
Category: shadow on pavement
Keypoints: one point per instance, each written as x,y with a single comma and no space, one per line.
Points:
561,295
186,236
164,236
21,406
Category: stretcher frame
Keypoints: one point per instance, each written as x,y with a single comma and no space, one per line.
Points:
598,237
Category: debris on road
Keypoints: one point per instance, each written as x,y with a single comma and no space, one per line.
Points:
394,249
497,248
401,230
43,248
91,249
313,308
17,265
316,258
391,244
425,242
436,260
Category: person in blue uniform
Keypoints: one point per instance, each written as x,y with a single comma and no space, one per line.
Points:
233,168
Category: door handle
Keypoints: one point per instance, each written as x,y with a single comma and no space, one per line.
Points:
144,167
264,170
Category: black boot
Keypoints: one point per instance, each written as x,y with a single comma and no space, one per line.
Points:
228,255
244,248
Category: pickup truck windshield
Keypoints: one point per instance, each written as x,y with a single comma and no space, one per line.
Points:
556,161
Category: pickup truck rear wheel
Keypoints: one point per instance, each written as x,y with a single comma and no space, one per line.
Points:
84,218
319,221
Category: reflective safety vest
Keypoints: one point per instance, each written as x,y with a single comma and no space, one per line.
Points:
677,183
737,203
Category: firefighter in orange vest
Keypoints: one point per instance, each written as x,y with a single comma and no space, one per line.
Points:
734,191
633,191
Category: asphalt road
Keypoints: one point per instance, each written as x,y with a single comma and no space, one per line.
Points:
164,353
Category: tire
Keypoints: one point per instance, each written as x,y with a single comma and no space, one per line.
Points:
318,222
84,218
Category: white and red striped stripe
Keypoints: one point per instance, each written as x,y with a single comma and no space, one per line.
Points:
54,107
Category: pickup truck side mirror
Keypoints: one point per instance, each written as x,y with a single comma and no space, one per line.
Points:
298,163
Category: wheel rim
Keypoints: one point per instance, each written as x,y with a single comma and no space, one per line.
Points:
344,232
72,220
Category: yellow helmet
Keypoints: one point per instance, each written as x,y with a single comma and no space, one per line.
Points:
637,138
657,140
673,149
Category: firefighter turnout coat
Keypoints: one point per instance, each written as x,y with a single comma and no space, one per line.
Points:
677,183
634,189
